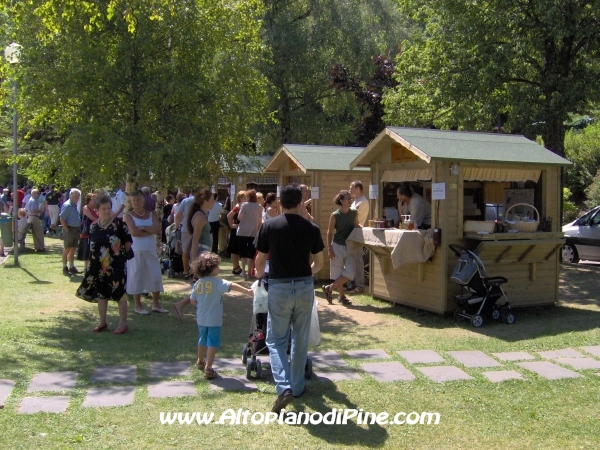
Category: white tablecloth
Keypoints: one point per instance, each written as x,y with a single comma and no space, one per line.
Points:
407,246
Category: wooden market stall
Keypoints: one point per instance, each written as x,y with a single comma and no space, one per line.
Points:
480,177
325,170
248,174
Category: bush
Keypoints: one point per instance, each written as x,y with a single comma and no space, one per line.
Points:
583,149
593,192
570,210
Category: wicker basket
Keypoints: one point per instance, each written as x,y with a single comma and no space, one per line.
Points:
525,227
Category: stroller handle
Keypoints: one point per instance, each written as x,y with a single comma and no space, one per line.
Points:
457,249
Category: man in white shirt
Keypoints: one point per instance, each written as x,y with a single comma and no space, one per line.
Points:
213,219
361,204
418,208
118,201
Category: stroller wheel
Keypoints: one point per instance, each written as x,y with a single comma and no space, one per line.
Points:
476,320
258,368
249,369
508,318
496,314
244,353
457,316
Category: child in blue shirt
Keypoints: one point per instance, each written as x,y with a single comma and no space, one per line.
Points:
207,297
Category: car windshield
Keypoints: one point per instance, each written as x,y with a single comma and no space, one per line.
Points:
583,220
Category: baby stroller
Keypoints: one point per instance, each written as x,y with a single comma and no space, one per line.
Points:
171,261
480,292
257,345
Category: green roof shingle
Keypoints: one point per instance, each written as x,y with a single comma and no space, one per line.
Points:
320,157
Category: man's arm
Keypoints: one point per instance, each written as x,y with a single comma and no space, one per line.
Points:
330,233
317,264
260,263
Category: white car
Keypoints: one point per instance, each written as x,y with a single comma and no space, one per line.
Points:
583,238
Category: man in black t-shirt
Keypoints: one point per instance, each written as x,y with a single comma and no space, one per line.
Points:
290,239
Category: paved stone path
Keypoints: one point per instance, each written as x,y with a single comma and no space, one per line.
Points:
117,383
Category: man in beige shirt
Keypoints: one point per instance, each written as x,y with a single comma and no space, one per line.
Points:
361,204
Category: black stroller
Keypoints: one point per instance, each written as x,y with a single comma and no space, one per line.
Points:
257,345
171,261
480,292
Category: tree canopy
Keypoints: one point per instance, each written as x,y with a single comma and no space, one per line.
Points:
475,63
158,89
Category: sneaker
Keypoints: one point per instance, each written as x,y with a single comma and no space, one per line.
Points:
66,271
282,401
73,270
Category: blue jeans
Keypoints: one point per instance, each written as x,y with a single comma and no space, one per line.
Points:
290,303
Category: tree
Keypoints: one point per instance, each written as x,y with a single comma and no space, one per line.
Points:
304,40
155,89
533,61
582,148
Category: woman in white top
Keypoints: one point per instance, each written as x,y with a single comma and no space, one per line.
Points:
250,217
270,206
143,270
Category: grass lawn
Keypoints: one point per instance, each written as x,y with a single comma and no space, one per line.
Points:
44,327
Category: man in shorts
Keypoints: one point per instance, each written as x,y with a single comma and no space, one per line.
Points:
186,236
361,205
291,240
70,221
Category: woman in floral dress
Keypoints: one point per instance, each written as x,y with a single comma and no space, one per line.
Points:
110,247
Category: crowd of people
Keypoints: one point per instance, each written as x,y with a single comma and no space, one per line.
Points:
119,247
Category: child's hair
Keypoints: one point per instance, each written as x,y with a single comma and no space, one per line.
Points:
204,265
21,212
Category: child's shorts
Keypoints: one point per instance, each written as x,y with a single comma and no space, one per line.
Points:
209,336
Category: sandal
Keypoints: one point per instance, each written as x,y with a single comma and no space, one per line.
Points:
237,271
209,373
328,294
344,301
123,330
201,365
100,328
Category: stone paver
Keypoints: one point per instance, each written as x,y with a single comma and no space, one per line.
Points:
231,364
580,363
232,383
502,375
594,350
513,356
114,374
441,374
564,353
326,359
170,369
368,354
32,405
163,389
103,397
421,356
474,359
6,387
52,381
388,371
548,370
338,375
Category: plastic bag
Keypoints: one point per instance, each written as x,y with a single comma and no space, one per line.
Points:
314,335
259,305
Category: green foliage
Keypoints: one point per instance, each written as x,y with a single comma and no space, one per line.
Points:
570,209
593,192
149,89
303,41
582,148
473,64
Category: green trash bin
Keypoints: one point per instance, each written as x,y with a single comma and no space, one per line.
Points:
6,229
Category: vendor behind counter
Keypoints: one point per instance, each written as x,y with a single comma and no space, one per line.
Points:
412,203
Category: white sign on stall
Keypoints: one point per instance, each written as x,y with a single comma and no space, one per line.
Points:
278,191
232,192
438,191
373,191
314,193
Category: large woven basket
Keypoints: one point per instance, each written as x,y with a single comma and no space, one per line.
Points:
525,227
